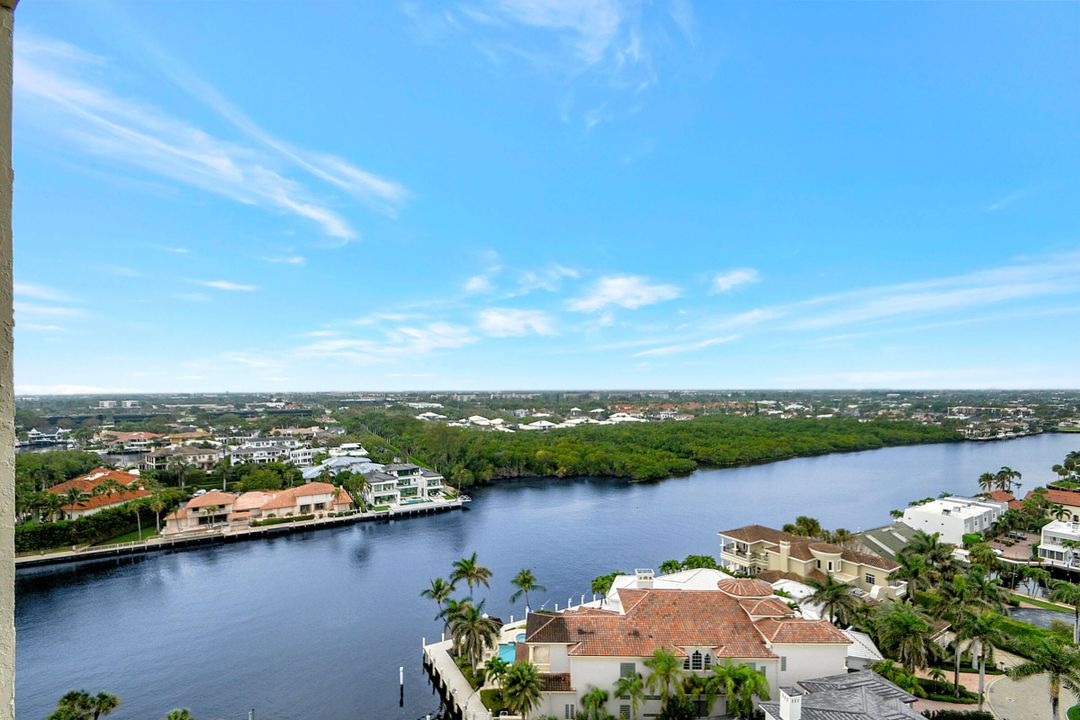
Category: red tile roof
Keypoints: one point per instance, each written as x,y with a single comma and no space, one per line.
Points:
1061,497
671,620
555,682
212,498
1007,497
745,587
109,500
769,607
797,631
86,483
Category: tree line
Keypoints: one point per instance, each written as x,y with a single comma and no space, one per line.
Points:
640,451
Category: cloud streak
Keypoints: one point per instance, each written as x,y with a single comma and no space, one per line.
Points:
625,291
50,83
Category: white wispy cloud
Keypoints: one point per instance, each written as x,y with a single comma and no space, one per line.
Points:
52,87
1008,200
377,318
41,327
512,322
395,344
252,360
38,310
478,284
730,279
286,260
39,292
226,285
548,278
687,347
626,291
177,250
192,297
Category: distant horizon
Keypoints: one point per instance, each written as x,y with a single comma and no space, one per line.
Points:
444,391
544,193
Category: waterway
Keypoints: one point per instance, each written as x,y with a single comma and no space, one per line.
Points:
315,625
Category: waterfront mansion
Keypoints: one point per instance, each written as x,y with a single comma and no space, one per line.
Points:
712,620
402,484
219,509
776,555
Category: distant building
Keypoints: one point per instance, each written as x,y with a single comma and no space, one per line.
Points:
227,510
954,517
93,502
402,484
774,555
169,458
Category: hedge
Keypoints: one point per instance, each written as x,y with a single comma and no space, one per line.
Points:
89,530
280,520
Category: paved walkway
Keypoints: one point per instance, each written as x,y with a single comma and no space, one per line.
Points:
1027,699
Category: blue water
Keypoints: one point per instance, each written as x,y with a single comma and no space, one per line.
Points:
316,624
506,651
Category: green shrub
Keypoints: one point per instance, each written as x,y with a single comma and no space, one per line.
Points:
89,530
493,701
957,715
1074,713
280,520
971,539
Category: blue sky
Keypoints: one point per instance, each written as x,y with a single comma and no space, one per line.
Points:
546,194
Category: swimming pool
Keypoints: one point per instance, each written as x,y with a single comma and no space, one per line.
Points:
507,652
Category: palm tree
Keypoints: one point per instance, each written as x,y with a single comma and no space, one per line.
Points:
665,673
74,705
521,688
51,503
984,555
938,554
108,486
806,526
1059,512
524,581
632,687
914,569
843,537
984,634
439,591
1061,663
183,714
74,495
835,599
594,704
670,566
157,504
1005,479
471,572
103,704
473,632
495,669
1068,593
740,685
904,631
986,591
986,482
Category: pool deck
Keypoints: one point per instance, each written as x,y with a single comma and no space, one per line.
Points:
457,694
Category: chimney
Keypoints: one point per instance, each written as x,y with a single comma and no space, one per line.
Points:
785,553
644,578
790,704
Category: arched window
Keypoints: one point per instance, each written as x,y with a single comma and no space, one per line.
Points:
708,661
695,661
686,663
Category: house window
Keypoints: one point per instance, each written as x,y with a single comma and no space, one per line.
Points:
818,564
783,663
708,661
695,661
624,712
570,712
830,566
870,579
686,664
627,669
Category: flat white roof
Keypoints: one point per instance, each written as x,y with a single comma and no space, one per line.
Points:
959,507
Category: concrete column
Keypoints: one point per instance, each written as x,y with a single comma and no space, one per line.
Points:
7,390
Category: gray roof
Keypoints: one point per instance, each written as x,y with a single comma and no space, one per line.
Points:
886,541
401,466
862,695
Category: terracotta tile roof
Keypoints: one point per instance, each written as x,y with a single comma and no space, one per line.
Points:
769,607
251,500
138,435
214,497
1061,497
797,631
555,682
745,587
801,546
86,483
291,497
667,619
104,501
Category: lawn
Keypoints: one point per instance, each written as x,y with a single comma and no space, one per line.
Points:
1042,604
132,536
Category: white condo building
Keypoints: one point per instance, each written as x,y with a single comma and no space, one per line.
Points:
954,517
1060,544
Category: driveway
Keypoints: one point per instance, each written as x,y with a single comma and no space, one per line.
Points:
1027,699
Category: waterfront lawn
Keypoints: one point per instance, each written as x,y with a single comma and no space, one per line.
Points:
492,699
1019,636
1042,604
379,508
132,536
280,520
